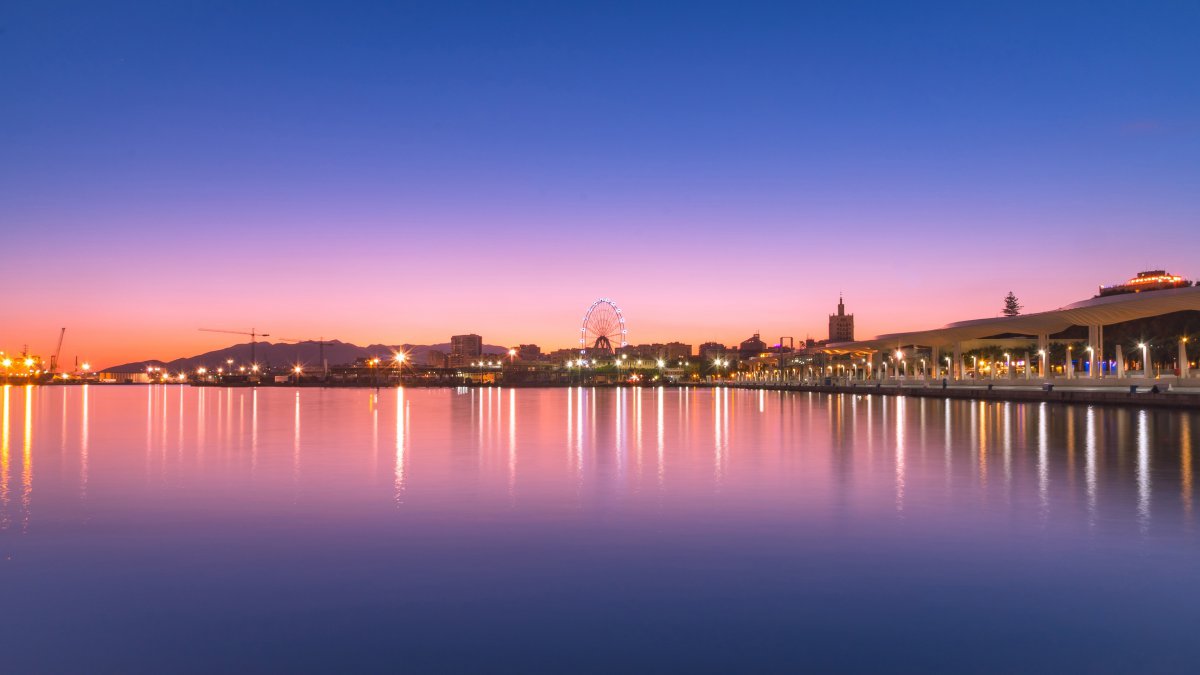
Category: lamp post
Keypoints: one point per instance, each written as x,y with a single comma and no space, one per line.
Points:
1091,361
1069,367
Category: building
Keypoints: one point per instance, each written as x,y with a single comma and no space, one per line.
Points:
711,350
466,345
529,352
1152,280
841,325
752,346
657,350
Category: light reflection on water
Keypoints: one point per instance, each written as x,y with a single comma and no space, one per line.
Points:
763,520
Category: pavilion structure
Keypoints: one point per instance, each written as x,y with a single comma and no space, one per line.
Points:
940,350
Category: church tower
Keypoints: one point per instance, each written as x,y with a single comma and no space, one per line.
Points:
841,325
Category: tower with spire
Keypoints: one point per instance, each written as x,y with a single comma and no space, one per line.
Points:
841,325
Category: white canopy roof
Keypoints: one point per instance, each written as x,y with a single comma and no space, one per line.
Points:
1094,312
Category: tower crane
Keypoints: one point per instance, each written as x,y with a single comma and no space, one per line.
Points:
57,351
320,350
254,335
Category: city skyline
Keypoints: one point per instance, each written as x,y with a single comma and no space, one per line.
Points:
403,174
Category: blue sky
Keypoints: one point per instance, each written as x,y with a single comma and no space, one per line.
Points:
1047,146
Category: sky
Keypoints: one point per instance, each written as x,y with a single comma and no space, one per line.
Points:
399,172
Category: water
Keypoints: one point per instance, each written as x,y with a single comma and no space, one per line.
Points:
181,529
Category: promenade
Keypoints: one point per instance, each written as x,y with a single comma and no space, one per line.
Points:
1146,394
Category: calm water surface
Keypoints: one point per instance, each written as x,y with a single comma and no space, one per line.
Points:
207,530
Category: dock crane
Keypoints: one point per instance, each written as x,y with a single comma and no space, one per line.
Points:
254,335
57,351
320,350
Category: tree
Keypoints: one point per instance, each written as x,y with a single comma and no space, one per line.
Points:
1011,306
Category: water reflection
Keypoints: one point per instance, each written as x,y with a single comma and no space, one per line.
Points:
1143,468
27,460
1090,462
401,445
5,460
514,516
1185,463
939,454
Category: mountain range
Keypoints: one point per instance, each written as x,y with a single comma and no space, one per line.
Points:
270,354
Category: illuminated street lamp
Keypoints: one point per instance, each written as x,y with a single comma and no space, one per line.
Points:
1091,360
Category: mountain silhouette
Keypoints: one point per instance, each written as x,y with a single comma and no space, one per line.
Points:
284,354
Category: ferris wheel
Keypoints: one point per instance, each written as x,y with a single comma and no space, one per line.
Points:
603,327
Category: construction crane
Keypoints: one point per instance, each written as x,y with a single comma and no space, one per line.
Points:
57,351
320,350
254,335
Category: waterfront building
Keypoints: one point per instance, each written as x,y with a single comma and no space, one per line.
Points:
1069,342
466,345
529,352
841,325
712,350
657,350
1152,280
751,347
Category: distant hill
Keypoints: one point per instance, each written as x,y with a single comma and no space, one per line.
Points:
275,354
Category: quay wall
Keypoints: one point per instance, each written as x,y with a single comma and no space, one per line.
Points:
1124,397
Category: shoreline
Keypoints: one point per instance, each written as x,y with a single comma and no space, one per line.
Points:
1112,397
